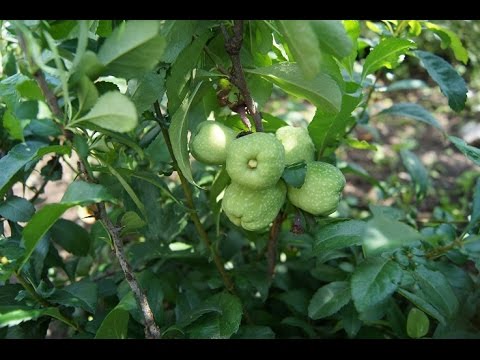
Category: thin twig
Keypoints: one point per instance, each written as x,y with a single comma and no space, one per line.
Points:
272,243
233,45
151,329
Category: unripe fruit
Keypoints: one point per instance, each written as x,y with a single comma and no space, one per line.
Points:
255,161
297,143
209,142
321,191
253,209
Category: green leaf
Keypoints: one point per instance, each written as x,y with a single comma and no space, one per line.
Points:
82,294
128,189
475,214
302,42
145,91
329,299
296,299
89,65
322,91
13,125
115,324
338,236
327,129
302,324
87,94
113,111
178,135
178,34
469,151
181,71
417,323
360,144
71,236
412,111
78,193
229,321
373,281
452,85
14,315
17,209
450,39
130,222
19,156
384,234
332,37
352,27
29,89
417,171
294,175
132,49
419,301
254,332
436,289
271,123
386,54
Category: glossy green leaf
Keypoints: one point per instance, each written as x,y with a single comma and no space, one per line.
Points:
87,94
469,151
418,299
113,111
302,42
71,236
384,234
451,83
130,222
329,299
417,171
115,324
181,72
322,91
417,323
386,54
254,332
373,281
450,39
78,193
82,294
125,184
16,209
145,91
412,111
133,48
332,37
327,129
294,175
338,236
178,34
13,126
20,155
178,135
229,321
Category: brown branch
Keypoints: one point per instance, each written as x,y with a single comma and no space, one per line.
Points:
152,331
272,243
233,45
40,79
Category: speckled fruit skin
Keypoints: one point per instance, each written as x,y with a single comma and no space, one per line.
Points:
209,142
297,143
321,191
251,209
265,151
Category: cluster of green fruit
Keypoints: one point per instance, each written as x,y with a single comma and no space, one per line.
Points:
255,164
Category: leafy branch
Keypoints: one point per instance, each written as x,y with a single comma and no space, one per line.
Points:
152,331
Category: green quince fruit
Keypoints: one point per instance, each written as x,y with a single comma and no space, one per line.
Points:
255,161
208,144
297,143
251,209
321,191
